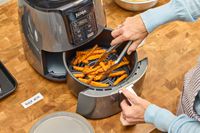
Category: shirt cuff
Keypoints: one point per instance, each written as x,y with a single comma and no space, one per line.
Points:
160,117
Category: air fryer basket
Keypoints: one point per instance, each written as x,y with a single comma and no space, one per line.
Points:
103,40
94,102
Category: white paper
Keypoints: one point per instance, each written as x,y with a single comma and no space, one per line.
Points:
36,98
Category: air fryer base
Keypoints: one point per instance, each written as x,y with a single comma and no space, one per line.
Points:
104,106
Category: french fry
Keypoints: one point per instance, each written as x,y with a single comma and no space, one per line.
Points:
121,64
84,80
97,51
98,77
79,53
93,57
91,78
86,68
77,68
88,54
120,79
114,51
79,75
97,72
125,59
100,51
102,64
118,73
87,71
91,75
98,84
75,61
110,63
85,61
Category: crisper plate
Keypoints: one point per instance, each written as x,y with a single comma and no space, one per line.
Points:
8,84
62,122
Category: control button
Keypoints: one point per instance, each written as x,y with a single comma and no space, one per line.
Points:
89,30
75,24
79,36
90,34
89,26
77,31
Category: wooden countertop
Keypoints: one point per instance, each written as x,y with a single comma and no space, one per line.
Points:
172,50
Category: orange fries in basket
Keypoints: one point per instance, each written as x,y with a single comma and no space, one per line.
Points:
92,76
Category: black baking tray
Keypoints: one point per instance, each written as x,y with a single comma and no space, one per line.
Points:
8,84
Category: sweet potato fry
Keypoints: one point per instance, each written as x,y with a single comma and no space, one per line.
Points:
84,80
85,61
75,61
118,73
125,59
98,84
114,51
88,54
79,75
92,76
98,77
87,71
93,57
77,68
99,51
97,72
110,63
120,79
102,64
79,53
121,64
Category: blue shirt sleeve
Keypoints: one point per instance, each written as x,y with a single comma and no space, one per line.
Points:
165,121
184,10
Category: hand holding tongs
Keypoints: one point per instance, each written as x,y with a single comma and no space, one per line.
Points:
116,62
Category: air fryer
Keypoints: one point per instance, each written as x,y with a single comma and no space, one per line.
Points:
51,27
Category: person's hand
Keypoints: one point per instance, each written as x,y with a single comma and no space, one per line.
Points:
133,29
133,109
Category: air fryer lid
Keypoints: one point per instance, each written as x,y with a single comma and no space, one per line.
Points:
62,122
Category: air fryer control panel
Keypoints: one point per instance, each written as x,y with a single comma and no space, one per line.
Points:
81,24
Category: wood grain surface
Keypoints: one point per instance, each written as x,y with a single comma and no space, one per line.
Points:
172,50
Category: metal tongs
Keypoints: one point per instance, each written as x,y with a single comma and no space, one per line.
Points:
116,62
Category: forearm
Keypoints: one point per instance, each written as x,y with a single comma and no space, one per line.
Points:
184,10
165,121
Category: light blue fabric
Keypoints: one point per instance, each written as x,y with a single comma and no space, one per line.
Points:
165,121
184,10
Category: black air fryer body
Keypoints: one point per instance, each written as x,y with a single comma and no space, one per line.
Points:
51,27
